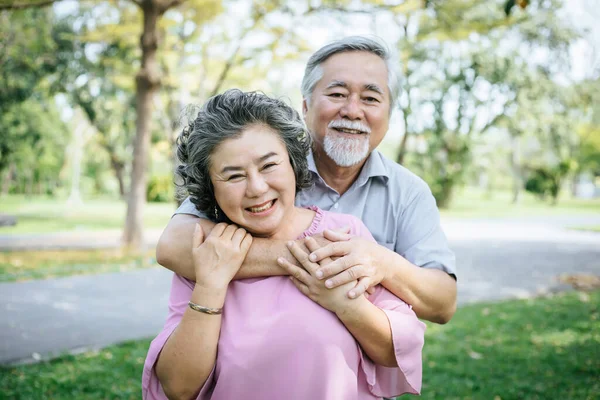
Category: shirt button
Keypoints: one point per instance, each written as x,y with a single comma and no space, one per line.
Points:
335,205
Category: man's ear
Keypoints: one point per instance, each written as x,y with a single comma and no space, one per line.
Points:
304,108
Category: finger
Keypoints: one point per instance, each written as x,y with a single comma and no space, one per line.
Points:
312,245
336,236
302,257
301,286
343,229
229,231
349,275
370,289
361,287
218,229
293,270
335,267
246,242
238,236
336,249
198,237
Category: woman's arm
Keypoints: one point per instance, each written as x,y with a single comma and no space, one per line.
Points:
366,322
190,352
189,355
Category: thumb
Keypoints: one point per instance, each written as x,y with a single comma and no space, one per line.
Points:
198,237
337,236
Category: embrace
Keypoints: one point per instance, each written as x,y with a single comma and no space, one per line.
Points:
302,256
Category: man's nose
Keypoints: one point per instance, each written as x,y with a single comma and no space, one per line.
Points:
256,185
352,108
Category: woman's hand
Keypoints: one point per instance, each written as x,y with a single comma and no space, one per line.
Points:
219,257
335,299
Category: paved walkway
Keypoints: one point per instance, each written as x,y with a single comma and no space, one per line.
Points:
40,319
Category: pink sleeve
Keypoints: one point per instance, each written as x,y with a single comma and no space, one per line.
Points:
408,335
181,292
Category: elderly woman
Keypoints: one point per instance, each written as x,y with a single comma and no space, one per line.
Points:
243,160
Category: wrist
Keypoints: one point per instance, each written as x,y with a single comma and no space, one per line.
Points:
351,307
213,297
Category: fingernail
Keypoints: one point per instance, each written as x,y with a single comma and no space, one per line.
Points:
319,274
328,283
312,257
290,244
280,260
352,294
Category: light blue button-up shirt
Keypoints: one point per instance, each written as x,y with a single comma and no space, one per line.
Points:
396,205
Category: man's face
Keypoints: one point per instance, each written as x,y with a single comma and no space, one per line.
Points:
348,113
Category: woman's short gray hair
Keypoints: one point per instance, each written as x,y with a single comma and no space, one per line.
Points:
314,72
225,116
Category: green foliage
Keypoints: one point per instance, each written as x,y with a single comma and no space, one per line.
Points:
160,189
546,182
545,348
35,140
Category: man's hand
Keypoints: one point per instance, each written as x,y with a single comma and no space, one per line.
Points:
357,259
304,279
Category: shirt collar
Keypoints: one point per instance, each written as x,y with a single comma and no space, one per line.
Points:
374,167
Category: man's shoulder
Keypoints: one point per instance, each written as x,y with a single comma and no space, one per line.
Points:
401,177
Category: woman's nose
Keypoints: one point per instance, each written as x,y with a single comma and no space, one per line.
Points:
256,185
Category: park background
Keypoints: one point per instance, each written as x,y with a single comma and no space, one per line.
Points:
499,113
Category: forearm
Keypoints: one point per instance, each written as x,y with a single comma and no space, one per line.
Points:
371,328
430,292
261,259
174,250
190,352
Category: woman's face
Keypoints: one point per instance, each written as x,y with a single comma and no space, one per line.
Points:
254,182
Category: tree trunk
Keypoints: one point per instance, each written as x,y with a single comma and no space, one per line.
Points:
119,169
8,178
147,83
402,149
515,168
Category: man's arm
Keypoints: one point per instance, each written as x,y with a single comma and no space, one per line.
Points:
431,292
174,250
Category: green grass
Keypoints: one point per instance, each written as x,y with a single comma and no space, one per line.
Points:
546,348
43,215
26,265
591,228
475,203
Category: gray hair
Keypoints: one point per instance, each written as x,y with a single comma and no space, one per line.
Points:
314,71
225,116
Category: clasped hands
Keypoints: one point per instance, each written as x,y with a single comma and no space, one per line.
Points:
347,265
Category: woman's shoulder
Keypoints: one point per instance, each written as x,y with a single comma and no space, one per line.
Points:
334,220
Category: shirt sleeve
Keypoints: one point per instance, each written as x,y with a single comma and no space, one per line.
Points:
408,336
420,238
187,207
181,293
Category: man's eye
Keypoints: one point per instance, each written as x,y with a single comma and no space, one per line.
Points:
371,99
336,95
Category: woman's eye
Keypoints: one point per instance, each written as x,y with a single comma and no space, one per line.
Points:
267,166
234,177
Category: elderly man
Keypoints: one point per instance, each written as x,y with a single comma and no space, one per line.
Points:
349,89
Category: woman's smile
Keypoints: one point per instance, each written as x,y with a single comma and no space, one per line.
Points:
263,209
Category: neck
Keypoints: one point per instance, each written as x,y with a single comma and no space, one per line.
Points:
339,178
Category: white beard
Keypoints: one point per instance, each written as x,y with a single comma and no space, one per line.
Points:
346,151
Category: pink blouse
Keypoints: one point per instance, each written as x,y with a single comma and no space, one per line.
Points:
276,343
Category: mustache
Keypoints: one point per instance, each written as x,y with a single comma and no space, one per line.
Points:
345,124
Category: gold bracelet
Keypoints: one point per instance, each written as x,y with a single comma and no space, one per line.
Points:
205,310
